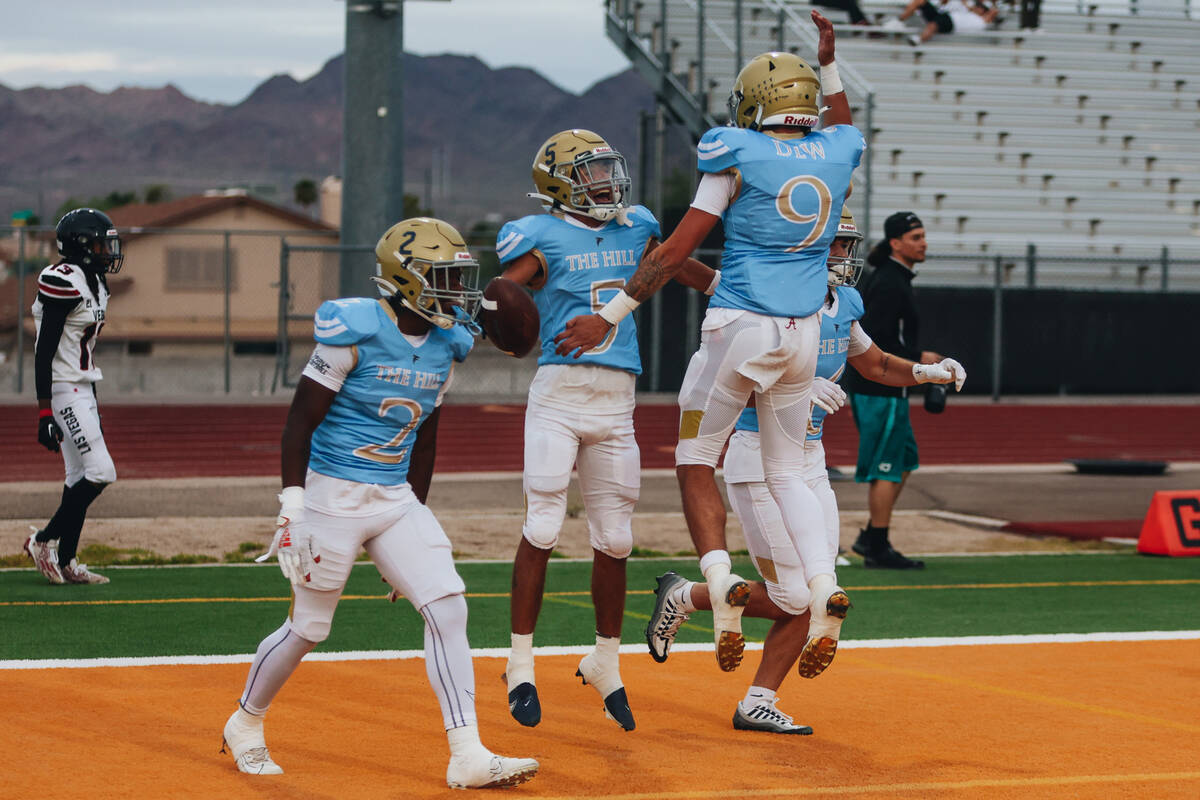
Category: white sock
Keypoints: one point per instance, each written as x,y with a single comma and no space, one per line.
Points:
276,659
605,670
683,597
520,660
448,659
464,741
756,695
821,587
715,565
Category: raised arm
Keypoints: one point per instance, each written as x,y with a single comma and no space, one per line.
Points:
658,265
831,85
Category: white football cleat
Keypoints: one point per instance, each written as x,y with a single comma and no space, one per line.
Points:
45,557
666,617
243,735
729,597
79,573
764,716
486,770
607,681
827,612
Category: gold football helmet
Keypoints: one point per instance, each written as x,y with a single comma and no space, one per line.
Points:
775,89
425,263
578,171
846,270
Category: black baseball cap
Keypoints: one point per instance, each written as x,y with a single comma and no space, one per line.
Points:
900,223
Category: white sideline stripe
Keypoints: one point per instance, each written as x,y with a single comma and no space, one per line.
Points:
969,519
626,649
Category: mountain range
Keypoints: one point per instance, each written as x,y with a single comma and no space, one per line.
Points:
480,126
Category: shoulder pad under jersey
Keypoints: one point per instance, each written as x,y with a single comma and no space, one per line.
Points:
853,300
346,322
518,237
718,149
63,282
644,219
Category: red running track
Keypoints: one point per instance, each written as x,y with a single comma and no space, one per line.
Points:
167,441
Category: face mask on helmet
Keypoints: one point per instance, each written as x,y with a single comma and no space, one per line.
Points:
844,263
577,171
87,238
425,264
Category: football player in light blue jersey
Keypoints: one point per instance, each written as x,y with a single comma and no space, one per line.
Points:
779,185
358,450
780,558
576,258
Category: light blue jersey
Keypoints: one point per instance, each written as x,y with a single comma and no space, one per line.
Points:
834,348
779,226
585,268
368,434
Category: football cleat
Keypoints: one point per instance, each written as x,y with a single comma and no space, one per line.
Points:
45,557
524,706
79,573
486,770
243,735
823,628
666,617
730,599
607,682
764,716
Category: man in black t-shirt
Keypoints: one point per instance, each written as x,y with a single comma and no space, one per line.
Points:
887,449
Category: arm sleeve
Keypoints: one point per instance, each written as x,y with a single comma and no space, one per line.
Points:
859,341
714,192
330,365
54,320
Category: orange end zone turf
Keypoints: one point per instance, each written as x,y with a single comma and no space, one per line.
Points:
1092,720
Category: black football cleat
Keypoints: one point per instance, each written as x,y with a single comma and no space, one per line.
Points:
524,706
607,682
890,558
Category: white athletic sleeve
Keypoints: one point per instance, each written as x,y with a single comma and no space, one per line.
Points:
860,342
445,387
330,365
714,192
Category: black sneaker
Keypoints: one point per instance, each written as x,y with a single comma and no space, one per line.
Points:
861,545
890,558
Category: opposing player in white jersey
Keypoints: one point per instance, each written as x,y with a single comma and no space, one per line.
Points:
69,311
784,594
778,184
576,258
358,450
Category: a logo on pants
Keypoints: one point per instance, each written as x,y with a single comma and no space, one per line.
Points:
75,431
886,466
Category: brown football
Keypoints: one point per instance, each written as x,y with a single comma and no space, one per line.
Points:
509,317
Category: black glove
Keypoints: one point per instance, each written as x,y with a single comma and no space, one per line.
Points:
49,434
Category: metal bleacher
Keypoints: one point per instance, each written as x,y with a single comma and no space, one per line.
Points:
1080,138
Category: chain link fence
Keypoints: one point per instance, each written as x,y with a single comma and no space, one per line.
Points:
213,312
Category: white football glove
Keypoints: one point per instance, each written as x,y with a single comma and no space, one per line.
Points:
945,371
293,544
828,395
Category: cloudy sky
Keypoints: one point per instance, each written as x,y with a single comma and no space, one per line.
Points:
219,50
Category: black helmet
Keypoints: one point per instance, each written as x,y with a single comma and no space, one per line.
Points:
87,238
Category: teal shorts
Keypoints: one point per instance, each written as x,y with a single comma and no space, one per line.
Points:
886,446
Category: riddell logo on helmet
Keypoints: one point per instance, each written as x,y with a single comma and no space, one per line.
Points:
801,121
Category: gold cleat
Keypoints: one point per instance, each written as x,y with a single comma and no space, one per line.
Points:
727,622
821,647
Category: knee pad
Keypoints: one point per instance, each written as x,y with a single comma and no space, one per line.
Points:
544,514
311,615
793,599
614,541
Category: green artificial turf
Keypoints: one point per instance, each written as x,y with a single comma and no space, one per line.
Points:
207,611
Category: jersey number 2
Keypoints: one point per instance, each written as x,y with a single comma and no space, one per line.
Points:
374,452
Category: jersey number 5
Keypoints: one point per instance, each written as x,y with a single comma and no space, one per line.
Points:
374,452
612,286
787,210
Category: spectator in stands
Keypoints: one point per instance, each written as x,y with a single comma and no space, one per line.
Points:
1031,11
856,15
951,16
887,449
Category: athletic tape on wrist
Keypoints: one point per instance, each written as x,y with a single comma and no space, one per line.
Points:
712,287
44,412
618,308
830,82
